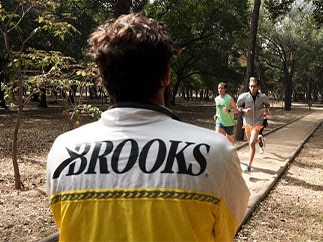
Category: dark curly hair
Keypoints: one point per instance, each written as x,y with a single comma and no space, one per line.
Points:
132,54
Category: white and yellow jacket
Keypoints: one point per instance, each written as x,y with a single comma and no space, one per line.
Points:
137,174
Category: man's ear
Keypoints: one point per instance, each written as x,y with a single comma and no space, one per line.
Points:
166,80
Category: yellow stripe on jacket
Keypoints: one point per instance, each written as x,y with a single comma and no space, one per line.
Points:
142,215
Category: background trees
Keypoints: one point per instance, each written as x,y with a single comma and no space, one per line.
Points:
286,51
214,35
44,44
20,53
211,33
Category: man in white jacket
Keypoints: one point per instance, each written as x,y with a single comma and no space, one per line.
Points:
139,174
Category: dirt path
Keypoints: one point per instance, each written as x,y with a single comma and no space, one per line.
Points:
293,210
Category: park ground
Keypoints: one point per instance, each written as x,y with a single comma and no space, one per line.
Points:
291,212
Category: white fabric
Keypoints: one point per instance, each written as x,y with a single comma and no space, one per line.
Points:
193,146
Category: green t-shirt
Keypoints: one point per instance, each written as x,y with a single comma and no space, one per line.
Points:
225,118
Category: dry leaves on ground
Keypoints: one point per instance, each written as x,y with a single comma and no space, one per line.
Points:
293,210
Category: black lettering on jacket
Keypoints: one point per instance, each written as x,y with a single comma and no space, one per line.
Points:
161,154
90,158
132,157
74,155
179,156
102,158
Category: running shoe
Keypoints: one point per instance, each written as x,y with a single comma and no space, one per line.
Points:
247,169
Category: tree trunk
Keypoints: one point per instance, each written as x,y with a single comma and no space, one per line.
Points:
288,90
15,137
43,99
289,73
122,7
14,153
174,92
252,43
309,92
239,134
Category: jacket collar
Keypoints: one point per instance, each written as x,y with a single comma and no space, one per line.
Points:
148,106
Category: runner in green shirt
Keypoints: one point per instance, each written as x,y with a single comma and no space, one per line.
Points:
225,110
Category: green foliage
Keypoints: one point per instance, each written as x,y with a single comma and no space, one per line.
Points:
42,60
81,109
211,33
138,5
60,29
278,8
86,16
42,71
318,13
291,45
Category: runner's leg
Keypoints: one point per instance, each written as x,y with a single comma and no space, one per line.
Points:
230,138
248,134
220,130
253,140
229,133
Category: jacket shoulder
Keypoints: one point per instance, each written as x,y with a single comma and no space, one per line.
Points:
243,95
